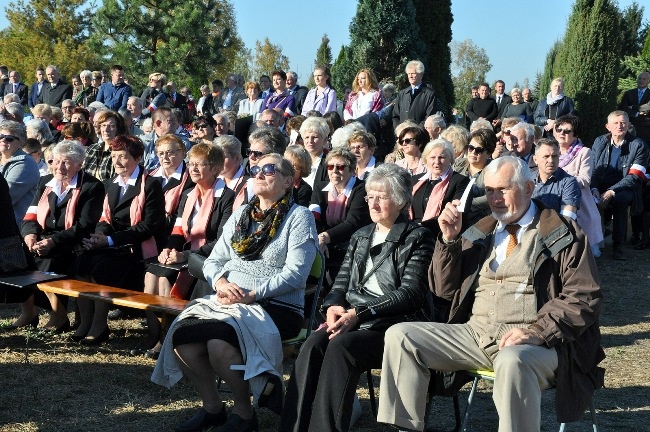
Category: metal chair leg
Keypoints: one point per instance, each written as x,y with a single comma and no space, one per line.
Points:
470,398
594,421
371,392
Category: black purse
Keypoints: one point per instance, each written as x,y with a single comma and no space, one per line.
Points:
12,255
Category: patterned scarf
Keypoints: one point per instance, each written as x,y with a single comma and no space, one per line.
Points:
571,153
249,246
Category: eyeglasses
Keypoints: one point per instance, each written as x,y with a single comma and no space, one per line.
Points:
477,150
372,198
201,126
339,167
7,138
266,170
198,164
168,153
406,141
254,154
358,147
507,131
563,130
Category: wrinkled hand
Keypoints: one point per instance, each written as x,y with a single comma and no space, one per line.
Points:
43,247
520,336
30,241
176,257
605,199
342,322
95,241
164,256
230,293
450,221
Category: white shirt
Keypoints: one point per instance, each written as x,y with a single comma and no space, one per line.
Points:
130,182
502,237
160,172
312,175
56,187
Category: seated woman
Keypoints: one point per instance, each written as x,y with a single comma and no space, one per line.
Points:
251,105
258,269
301,162
131,227
481,145
362,145
233,172
438,186
203,130
411,141
199,220
65,209
98,156
369,295
315,132
339,207
84,132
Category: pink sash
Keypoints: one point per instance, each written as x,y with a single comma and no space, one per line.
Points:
434,205
43,208
335,213
173,195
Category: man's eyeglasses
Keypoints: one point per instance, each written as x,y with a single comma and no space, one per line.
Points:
563,130
254,154
406,141
477,150
7,138
266,170
339,167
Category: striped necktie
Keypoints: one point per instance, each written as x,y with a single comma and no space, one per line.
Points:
512,238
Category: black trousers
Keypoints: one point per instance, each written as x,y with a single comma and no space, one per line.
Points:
324,380
618,209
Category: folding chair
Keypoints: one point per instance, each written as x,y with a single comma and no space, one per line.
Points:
488,375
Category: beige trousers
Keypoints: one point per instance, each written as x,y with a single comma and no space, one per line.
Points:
412,349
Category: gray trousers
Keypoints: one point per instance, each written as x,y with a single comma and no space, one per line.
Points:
412,349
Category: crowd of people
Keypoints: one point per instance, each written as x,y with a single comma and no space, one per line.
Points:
447,246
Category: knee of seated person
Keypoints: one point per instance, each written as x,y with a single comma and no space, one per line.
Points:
395,333
511,357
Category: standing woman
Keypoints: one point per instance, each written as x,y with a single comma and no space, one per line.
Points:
131,227
205,90
555,105
65,209
98,156
365,97
322,97
412,140
252,104
576,160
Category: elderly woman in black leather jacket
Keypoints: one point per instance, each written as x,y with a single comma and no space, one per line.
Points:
382,281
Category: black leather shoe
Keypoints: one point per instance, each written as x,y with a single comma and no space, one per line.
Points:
618,254
90,340
203,420
61,329
238,424
271,396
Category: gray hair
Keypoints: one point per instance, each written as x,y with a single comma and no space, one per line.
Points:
86,73
221,116
515,90
17,129
546,142
528,129
396,180
204,87
458,136
341,136
230,145
437,120
37,128
71,149
417,64
16,110
136,99
389,87
147,124
52,67
96,107
302,156
11,97
618,113
125,113
293,74
345,154
272,138
480,124
315,124
521,175
440,143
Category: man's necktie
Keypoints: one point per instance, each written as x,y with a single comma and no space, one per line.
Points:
512,239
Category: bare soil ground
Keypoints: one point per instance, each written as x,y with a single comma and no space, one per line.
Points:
48,383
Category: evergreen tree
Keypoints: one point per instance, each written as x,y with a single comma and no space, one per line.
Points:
589,61
323,58
43,32
343,71
636,64
434,18
544,80
384,37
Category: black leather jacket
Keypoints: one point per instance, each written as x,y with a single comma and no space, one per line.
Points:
402,276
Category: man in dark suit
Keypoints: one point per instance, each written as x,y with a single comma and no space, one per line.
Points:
416,102
214,101
56,91
502,100
633,104
15,86
298,92
483,107
37,87
178,101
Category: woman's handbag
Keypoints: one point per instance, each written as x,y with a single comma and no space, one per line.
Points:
12,255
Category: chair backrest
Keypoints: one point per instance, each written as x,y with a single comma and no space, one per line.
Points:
317,272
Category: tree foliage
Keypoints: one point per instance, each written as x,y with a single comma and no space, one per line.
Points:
470,64
185,40
268,57
323,57
549,71
589,61
343,70
434,19
384,36
43,32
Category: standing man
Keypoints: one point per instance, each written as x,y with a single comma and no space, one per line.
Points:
502,100
524,298
298,92
484,107
636,103
37,87
177,101
164,122
116,93
619,173
416,102
527,95
15,86
56,91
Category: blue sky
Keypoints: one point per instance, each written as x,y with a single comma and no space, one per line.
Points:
516,34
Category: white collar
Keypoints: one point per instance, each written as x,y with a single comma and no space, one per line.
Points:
131,181
348,187
56,184
178,174
445,175
523,221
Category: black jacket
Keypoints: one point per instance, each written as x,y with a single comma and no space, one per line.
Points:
55,96
401,274
416,107
21,91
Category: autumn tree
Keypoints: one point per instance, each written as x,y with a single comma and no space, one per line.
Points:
43,32
323,57
470,64
185,40
384,37
267,58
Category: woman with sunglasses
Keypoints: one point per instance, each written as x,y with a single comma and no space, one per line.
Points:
368,296
258,269
576,160
339,207
412,140
203,130
481,145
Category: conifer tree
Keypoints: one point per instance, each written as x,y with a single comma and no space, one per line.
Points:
323,58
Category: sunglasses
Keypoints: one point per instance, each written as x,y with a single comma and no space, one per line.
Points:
266,170
563,130
406,141
202,126
254,153
7,138
338,167
477,150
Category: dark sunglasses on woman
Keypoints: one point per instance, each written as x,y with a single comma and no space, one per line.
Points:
267,170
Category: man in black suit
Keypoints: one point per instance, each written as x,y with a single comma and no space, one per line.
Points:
298,92
177,101
15,86
633,104
37,87
502,100
56,91
416,102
